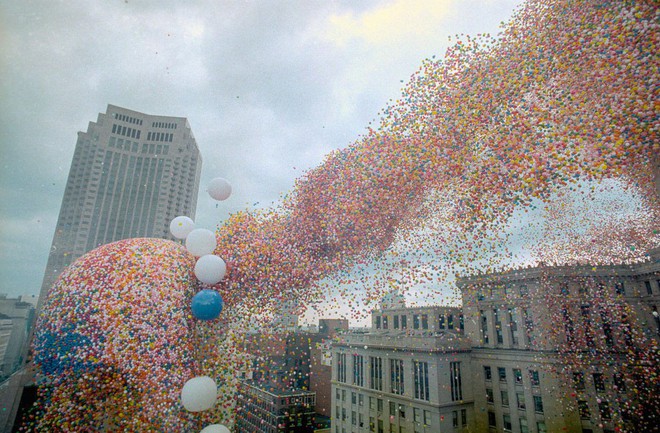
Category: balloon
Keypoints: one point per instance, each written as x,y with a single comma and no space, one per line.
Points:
199,394
215,428
210,269
207,304
201,242
219,189
181,226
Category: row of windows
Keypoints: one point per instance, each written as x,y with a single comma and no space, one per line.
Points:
125,131
167,125
420,321
513,316
132,146
517,375
420,374
507,425
520,400
376,404
128,119
160,136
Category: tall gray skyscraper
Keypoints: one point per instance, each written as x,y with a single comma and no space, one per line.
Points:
131,174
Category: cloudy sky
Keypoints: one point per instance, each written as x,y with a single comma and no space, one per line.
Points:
269,88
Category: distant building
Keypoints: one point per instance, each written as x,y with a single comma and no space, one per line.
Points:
131,174
21,315
261,408
320,375
411,372
565,349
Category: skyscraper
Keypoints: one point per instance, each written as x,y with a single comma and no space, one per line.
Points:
131,174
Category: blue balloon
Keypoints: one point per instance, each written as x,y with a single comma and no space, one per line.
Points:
207,304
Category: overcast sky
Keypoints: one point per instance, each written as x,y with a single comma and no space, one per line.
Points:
269,88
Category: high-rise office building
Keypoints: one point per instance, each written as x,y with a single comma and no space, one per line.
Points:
131,174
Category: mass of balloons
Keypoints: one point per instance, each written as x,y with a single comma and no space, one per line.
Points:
562,100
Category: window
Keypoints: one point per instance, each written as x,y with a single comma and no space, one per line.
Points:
396,372
578,381
380,405
599,382
358,370
568,325
396,322
491,419
506,418
619,383
517,376
341,367
402,411
505,398
529,326
501,372
385,325
353,417
484,327
337,395
455,381
498,327
377,322
464,416
647,284
441,321
488,374
353,398
427,417
520,397
586,320
454,418
583,409
604,409
450,321
425,321
404,322
372,403
376,373
360,399
619,288
524,427
534,377
421,378
392,408
415,321
538,404
540,427
607,328
489,395
417,414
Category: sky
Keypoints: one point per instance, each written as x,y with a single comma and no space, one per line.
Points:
268,87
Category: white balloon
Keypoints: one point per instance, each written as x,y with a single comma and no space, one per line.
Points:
210,269
199,394
200,242
219,189
215,428
181,226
